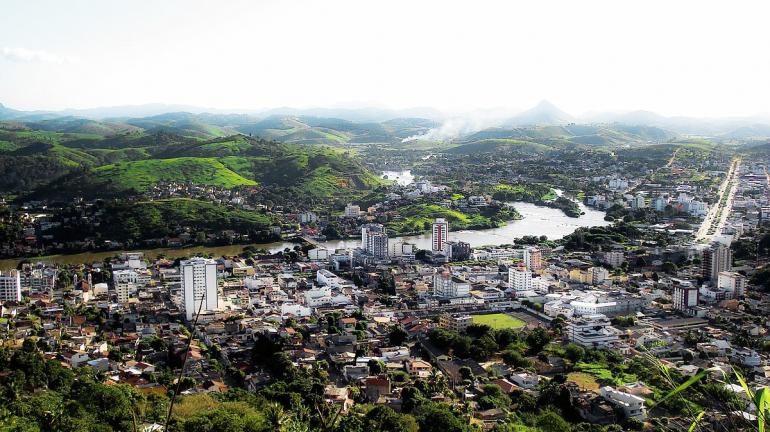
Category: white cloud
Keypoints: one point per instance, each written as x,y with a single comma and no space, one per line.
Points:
17,54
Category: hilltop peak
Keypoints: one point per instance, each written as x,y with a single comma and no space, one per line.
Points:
544,113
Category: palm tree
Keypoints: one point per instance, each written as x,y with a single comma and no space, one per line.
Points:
275,415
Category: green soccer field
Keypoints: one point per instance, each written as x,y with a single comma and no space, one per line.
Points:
498,321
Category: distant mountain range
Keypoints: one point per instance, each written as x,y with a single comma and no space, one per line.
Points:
377,125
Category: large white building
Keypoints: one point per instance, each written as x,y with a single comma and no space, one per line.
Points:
520,278
448,286
734,284
593,331
374,240
439,234
199,285
10,286
631,405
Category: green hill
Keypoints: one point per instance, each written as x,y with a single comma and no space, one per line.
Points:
153,219
138,175
500,145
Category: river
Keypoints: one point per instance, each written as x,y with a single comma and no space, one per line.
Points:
536,220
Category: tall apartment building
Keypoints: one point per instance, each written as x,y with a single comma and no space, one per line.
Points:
733,283
520,278
685,296
374,240
439,234
199,285
10,286
123,291
447,286
533,258
717,258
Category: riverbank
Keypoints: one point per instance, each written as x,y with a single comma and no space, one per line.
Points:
535,220
173,253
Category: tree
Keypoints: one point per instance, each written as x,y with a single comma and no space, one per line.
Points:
434,417
574,352
397,336
382,418
537,339
493,397
669,267
466,373
550,421
376,367
514,358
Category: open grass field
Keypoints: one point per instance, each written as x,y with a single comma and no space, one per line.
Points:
498,321
584,380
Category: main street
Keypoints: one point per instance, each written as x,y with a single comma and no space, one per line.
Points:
717,216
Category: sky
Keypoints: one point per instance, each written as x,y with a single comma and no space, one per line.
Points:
695,58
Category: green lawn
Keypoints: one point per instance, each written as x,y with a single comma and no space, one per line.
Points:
498,321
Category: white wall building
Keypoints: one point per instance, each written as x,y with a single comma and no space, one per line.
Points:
733,283
593,331
448,286
520,278
631,405
199,285
10,286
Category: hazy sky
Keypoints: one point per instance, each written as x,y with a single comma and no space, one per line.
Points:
674,57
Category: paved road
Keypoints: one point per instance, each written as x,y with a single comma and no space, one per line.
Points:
717,216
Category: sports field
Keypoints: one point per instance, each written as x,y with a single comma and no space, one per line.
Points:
498,321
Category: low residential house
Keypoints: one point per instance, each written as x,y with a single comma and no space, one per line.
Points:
338,396
355,372
75,359
375,387
525,380
631,405
419,368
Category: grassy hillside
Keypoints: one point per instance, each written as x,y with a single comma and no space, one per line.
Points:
501,145
138,175
418,218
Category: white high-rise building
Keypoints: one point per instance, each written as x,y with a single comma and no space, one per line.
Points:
733,283
439,237
199,285
520,278
374,240
10,286
448,286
